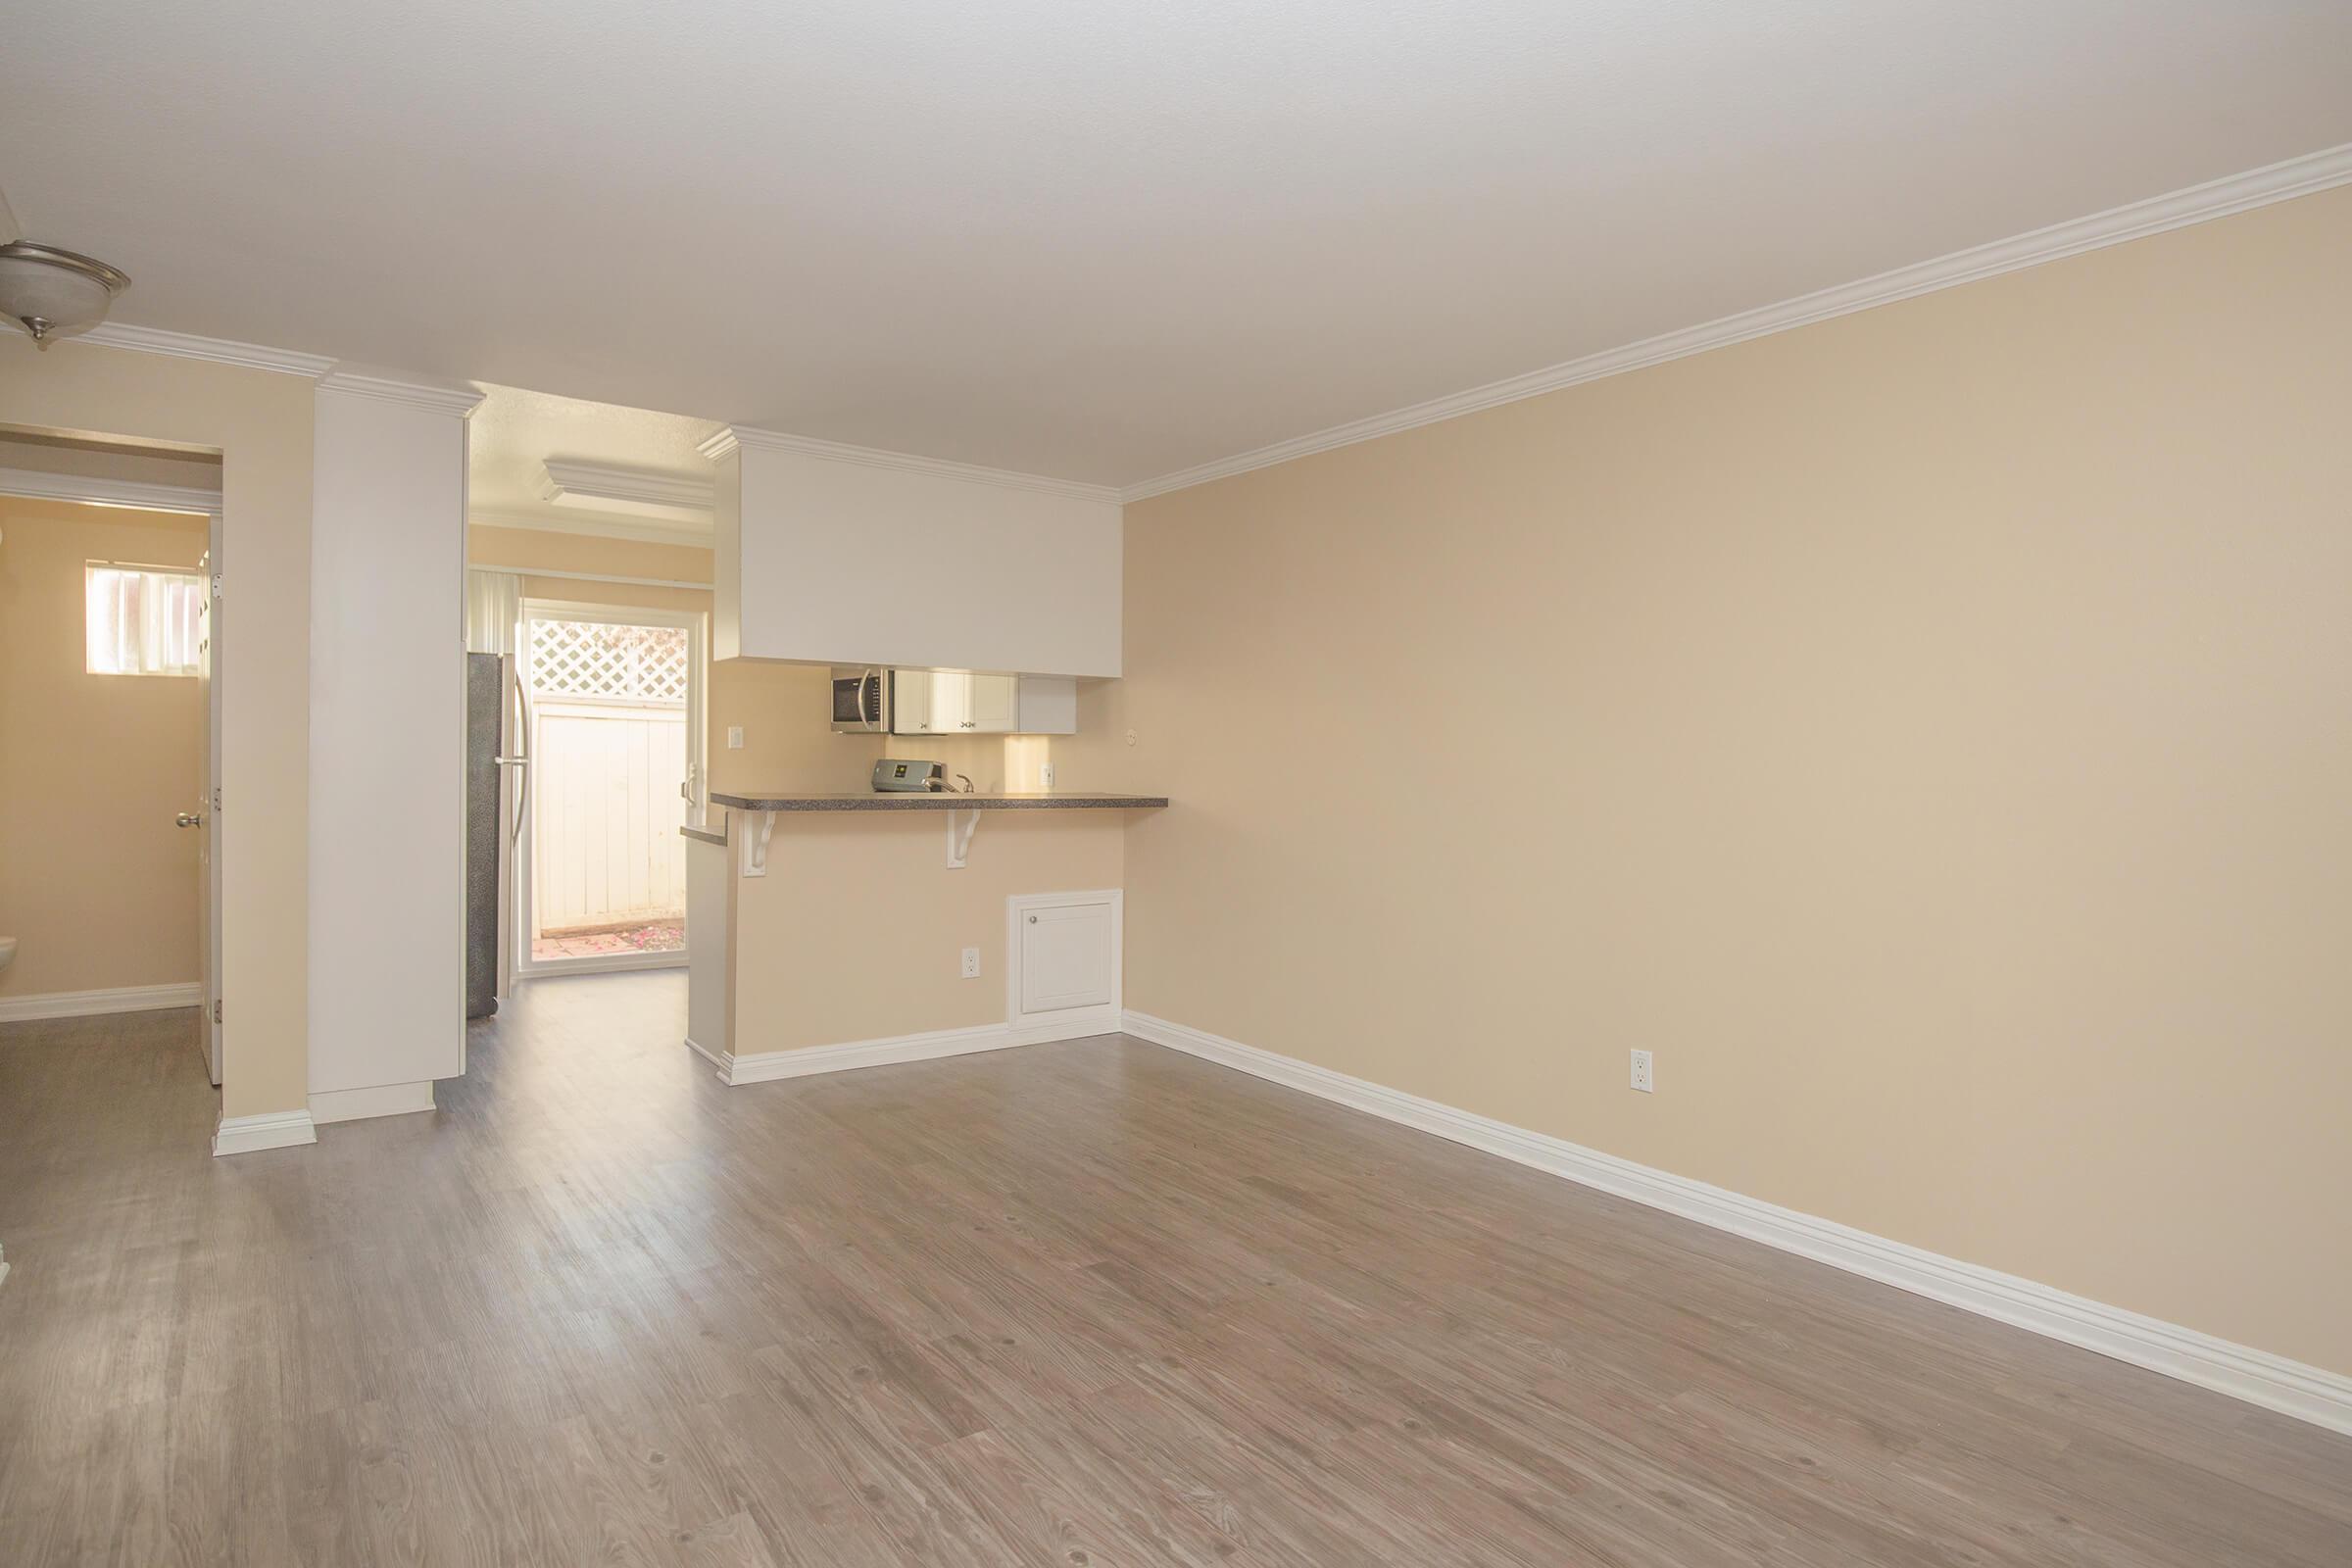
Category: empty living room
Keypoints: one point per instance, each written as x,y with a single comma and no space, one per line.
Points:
821,786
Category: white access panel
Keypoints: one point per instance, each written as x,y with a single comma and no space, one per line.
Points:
1063,956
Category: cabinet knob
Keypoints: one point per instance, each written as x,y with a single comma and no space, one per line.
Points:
1033,919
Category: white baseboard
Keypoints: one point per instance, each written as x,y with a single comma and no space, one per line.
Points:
89,1003
276,1129
766,1066
380,1100
2290,1388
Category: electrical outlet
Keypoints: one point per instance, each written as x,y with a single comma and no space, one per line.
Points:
1643,1078
971,963
1045,775
734,737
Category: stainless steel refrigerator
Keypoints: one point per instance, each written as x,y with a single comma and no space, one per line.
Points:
497,777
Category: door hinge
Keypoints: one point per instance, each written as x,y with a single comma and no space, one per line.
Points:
215,1010
215,585
215,800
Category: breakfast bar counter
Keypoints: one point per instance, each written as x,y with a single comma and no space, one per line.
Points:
830,930
936,800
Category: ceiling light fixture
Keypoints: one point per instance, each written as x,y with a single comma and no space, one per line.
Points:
51,293
636,492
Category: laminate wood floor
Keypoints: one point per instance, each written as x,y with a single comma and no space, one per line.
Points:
1091,1303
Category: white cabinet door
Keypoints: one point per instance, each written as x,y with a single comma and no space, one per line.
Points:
994,703
1066,957
910,701
953,701
1048,704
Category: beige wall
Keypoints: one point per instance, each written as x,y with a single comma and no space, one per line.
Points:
1930,732
260,421
95,881
876,954
787,743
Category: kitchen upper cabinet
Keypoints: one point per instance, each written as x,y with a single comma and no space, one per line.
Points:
829,555
1048,705
953,701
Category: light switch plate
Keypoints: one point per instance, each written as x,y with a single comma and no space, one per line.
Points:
734,737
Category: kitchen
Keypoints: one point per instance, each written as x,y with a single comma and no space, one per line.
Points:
844,902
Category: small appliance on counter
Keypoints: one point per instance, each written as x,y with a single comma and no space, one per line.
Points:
898,774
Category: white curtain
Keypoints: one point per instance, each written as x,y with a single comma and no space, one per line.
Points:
141,622
493,608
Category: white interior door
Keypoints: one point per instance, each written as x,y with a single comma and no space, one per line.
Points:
207,784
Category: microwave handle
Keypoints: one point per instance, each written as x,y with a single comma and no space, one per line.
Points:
863,676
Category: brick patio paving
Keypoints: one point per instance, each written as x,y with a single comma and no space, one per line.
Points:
661,936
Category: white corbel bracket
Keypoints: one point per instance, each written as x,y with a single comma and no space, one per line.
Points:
961,827
755,844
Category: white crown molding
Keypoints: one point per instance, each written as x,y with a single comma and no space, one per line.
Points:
219,351
636,530
718,445
92,492
2273,1382
276,1129
432,397
90,1004
596,487
2198,204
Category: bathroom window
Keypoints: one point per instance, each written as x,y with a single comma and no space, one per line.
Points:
141,620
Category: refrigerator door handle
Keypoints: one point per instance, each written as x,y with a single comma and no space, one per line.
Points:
523,757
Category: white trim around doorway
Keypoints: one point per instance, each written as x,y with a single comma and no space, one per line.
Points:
696,625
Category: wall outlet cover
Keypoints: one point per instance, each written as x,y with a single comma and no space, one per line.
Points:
1645,1075
971,963
734,737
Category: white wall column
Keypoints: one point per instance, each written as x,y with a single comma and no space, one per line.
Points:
387,834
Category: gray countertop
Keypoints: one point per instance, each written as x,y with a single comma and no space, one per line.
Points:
871,801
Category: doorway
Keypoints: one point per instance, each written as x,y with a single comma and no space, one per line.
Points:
614,720
110,865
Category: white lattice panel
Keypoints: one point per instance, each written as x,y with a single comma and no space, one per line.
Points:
594,659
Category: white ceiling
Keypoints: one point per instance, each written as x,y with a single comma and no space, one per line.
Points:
1099,241
514,432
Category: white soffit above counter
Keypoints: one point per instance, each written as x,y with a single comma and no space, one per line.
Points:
727,440
826,554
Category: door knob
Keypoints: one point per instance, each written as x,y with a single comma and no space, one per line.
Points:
190,819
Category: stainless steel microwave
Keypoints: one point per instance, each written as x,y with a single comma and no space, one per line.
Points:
861,701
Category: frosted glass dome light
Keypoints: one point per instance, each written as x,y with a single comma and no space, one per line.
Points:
51,293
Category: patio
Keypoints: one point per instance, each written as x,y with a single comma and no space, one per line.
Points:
664,935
